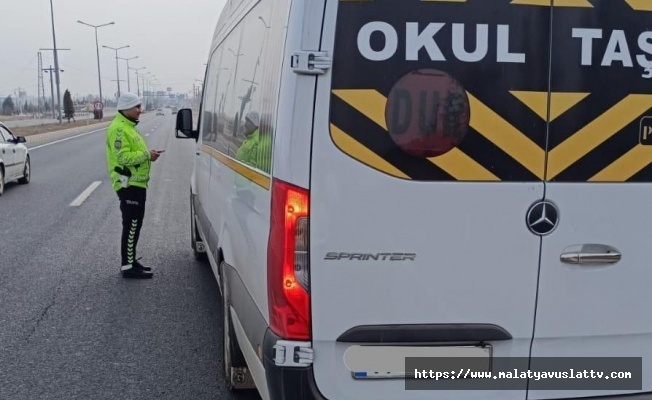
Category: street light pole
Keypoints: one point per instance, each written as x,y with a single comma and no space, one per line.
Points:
97,48
200,89
148,82
128,74
145,76
117,68
138,80
56,63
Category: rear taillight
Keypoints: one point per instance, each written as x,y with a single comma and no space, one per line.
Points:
288,270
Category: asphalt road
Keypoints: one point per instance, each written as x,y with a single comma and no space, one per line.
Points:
70,326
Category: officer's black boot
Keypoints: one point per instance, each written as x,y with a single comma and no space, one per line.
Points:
141,266
133,272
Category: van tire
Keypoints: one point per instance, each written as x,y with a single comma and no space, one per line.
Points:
236,373
2,180
195,239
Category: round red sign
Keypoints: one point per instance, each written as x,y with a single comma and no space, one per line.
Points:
427,113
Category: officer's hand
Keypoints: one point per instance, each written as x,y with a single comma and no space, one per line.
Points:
154,155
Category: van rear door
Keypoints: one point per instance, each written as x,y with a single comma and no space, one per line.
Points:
425,162
594,293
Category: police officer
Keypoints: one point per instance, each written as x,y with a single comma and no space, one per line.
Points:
129,163
257,147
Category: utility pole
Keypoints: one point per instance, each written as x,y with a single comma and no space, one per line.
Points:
41,87
54,115
117,67
56,74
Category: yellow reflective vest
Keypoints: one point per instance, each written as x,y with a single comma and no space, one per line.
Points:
256,151
126,154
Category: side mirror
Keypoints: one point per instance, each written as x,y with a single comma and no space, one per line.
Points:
184,125
21,139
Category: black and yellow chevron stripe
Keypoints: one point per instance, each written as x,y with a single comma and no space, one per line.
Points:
361,132
550,119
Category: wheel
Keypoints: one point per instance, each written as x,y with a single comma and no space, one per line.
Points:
197,245
27,173
236,373
2,180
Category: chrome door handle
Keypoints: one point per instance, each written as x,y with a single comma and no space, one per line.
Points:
592,254
591,258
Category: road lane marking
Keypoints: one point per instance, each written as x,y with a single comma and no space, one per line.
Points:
63,140
68,138
84,195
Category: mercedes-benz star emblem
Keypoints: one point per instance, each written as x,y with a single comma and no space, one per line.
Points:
542,218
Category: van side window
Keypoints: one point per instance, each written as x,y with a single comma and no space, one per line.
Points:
224,108
236,122
254,144
209,118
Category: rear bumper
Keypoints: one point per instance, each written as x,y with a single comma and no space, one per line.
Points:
287,383
299,383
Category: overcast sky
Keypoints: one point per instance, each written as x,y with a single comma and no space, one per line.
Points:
170,37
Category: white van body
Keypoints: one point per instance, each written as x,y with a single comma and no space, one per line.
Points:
462,178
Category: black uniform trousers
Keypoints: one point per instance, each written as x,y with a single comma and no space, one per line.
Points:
132,206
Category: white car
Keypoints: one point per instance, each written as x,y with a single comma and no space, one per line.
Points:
14,158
